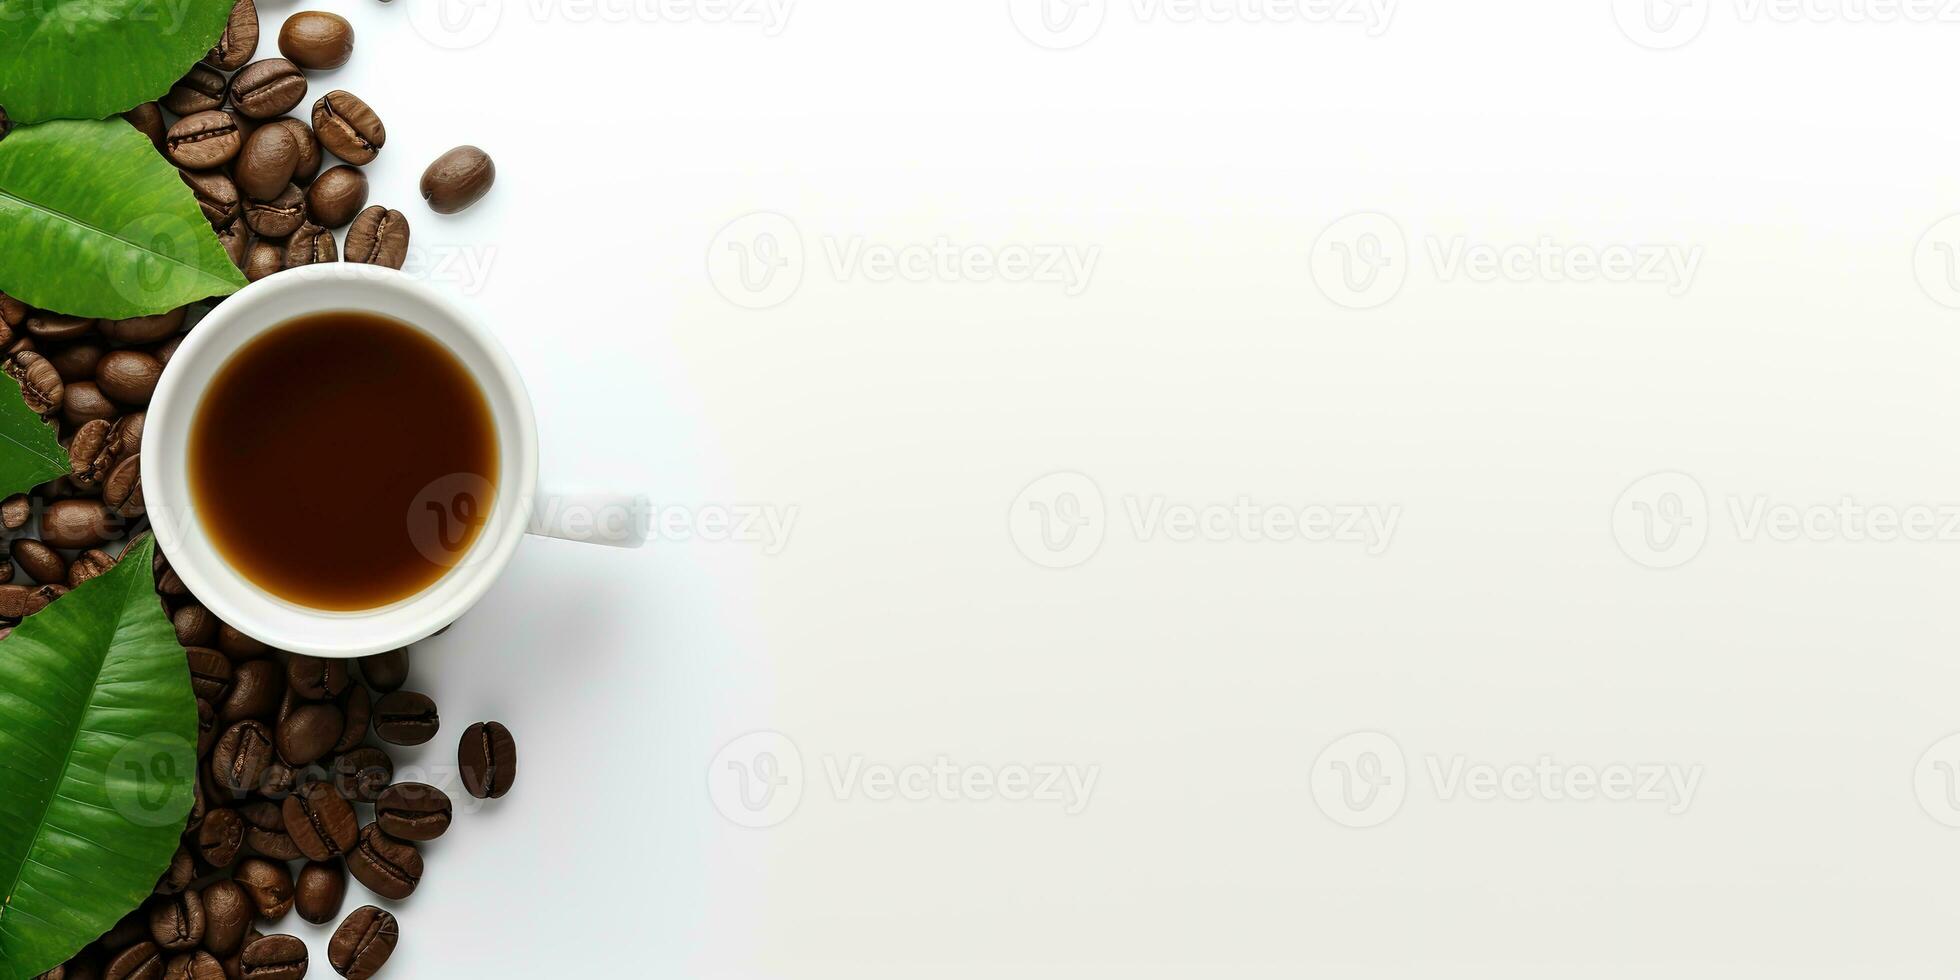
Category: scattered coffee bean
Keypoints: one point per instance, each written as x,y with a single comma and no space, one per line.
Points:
488,760
76,361
148,120
180,874
256,688
413,811
40,562
228,912
388,867
210,673
77,523
337,196
122,489
309,733
275,958
308,146
280,216
83,403
406,718
240,39
363,943
317,678
265,831
54,326
20,601
322,825
458,179
268,883
269,88
309,245
238,646
178,924
40,384
203,141
128,376
361,774
319,891
348,127
267,257
316,40
221,837
89,454
378,236
198,965
202,89
386,672
144,329
266,163
241,755
87,565
356,707
216,196
143,961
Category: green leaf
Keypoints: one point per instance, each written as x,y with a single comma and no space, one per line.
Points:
87,59
98,756
29,453
94,223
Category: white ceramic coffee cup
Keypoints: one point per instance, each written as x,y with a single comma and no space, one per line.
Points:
517,504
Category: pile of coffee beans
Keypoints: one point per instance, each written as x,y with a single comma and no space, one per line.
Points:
292,799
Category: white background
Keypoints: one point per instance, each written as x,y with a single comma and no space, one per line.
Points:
1517,613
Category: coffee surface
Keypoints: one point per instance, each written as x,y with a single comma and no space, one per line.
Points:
343,461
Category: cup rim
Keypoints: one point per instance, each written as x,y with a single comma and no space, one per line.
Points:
250,608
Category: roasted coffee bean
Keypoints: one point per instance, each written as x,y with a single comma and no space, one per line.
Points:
240,757
363,943
337,196
122,490
143,961
129,377
256,687
355,709
268,89
127,436
148,120
267,257
87,565
15,512
221,837
198,965
266,163
316,678
195,625
77,524
308,146
319,890
203,141
20,601
180,874
488,760
238,646
278,781
144,329
265,830
413,811
406,718
320,823
269,884
240,39
388,867
202,89
458,179
309,245
40,384
246,124
76,360
316,40
55,327
178,924
40,562
378,236
309,733
362,773
89,455
280,216
228,912
234,238
207,733
82,402
216,195
386,672
210,673
234,964
275,958
348,127
12,311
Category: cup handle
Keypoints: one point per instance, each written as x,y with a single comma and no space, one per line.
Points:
616,520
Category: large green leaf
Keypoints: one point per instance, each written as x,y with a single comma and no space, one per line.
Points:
87,59
98,733
94,222
29,453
